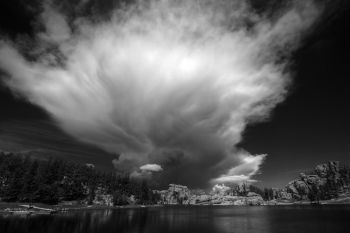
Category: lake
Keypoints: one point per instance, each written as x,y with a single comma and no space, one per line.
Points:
184,219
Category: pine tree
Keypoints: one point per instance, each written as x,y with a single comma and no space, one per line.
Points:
30,185
16,169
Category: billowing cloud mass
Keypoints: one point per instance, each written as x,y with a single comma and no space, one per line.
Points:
173,83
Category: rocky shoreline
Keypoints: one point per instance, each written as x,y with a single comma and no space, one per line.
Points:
328,183
21,209
180,194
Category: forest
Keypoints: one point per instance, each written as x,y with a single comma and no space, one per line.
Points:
23,179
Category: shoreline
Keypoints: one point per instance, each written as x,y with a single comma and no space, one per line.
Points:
20,208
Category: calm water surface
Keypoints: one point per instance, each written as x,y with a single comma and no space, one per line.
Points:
199,219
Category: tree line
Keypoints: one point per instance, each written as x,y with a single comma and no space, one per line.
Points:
23,179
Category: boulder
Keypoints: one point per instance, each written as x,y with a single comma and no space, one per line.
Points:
292,190
282,194
176,194
330,168
322,170
254,200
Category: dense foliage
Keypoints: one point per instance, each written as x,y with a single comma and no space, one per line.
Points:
30,180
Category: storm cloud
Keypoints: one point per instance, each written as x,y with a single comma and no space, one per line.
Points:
173,83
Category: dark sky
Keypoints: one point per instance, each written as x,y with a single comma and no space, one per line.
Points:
310,127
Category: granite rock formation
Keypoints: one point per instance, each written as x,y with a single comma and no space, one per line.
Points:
176,194
179,194
326,181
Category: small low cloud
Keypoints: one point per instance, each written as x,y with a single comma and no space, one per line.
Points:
146,171
90,165
151,168
236,179
220,188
